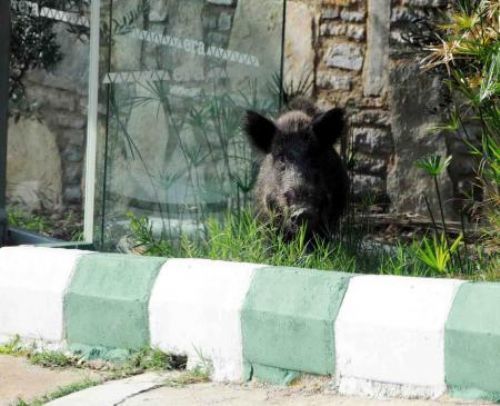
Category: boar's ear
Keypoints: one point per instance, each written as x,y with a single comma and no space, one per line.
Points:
328,126
259,130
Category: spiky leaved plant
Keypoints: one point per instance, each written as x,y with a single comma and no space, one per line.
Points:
466,41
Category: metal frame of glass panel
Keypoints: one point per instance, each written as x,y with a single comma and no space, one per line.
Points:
4,99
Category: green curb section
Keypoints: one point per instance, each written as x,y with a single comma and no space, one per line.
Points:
472,342
107,300
288,322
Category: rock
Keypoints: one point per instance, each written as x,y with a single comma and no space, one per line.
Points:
345,56
412,94
328,80
33,165
375,141
299,50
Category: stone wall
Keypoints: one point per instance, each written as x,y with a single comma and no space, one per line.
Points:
361,61
348,53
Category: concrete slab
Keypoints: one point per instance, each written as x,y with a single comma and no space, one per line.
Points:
111,393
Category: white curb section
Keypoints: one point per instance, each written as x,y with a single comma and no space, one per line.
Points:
195,310
390,336
32,286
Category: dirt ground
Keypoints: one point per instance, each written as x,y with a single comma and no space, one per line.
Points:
21,380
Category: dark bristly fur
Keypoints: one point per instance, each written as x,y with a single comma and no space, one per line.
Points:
301,179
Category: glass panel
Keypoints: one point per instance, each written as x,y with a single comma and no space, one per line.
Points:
47,116
179,76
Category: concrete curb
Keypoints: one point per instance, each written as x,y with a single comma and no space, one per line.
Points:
377,335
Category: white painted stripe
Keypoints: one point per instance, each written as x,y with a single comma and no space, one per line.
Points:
195,310
32,286
389,336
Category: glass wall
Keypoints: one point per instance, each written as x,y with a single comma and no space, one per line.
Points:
175,79
48,95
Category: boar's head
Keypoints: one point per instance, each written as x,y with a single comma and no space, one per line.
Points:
301,179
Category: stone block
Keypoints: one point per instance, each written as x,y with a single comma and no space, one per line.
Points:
357,16
371,117
345,56
328,80
375,69
367,186
222,2
372,140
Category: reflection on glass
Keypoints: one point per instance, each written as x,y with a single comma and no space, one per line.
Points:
48,84
176,77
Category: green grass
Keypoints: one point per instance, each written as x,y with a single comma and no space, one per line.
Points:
242,238
59,393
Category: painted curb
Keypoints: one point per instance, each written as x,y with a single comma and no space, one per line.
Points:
288,322
376,335
390,336
473,342
195,310
33,283
107,301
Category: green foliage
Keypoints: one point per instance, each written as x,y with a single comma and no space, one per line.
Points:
32,222
242,238
59,393
13,347
436,254
51,359
433,165
65,225
152,359
467,44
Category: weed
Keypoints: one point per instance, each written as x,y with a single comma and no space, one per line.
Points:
59,393
194,376
437,254
14,347
51,359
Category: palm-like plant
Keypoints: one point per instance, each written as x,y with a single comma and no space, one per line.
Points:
467,43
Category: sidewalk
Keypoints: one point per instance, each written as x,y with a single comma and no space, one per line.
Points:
21,380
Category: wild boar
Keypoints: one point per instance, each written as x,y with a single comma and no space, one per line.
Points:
301,180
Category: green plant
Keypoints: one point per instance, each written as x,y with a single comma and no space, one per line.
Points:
51,359
60,392
437,254
13,347
153,359
466,41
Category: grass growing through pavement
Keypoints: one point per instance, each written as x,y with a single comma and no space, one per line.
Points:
146,359
243,238
59,393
